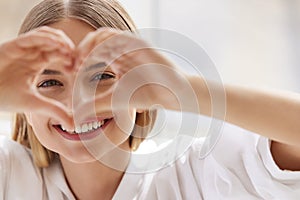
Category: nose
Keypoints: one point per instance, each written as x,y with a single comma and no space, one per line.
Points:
72,96
76,112
82,102
68,123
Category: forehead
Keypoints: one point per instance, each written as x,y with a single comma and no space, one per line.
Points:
75,29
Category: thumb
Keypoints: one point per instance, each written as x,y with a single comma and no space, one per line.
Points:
51,108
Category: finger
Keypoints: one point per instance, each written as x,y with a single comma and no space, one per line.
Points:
92,40
92,106
36,39
49,107
13,52
109,45
28,55
37,61
59,34
42,41
10,51
57,57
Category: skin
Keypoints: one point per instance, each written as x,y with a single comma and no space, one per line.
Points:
273,114
255,110
99,181
32,51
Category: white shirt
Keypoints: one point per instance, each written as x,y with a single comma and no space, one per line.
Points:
239,167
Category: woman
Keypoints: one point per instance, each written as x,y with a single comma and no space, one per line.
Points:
48,74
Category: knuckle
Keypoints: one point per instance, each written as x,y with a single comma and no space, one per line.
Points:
91,34
6,45
43,28
59,32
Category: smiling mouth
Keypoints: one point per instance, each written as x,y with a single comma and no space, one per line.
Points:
85,130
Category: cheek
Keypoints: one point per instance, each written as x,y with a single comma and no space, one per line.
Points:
114,137
121,127
40,126
38,122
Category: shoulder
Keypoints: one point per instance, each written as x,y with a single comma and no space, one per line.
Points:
240,162
234,141
17,170
16,157
235,164
11,151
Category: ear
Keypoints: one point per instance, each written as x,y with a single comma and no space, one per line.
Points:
28,118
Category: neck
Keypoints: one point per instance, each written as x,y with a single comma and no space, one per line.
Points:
97,179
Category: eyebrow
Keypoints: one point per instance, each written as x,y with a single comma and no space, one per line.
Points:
51,72
89,68
96,66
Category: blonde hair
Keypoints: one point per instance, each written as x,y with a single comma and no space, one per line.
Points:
97,13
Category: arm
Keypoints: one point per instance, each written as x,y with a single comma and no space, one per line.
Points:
272,114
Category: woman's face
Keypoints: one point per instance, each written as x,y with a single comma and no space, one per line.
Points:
92,133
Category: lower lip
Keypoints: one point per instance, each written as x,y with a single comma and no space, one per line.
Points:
82,136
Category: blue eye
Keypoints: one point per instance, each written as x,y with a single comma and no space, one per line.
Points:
102,77
50,83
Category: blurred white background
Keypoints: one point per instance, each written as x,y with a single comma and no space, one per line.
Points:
251,42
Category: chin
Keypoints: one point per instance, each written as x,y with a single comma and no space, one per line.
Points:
79,157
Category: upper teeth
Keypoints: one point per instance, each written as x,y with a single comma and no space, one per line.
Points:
85,127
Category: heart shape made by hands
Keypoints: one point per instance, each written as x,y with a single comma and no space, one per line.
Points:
101,59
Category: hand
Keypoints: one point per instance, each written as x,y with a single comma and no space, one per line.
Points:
144,77
21,60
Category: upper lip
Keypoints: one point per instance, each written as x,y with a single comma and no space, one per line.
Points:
92,119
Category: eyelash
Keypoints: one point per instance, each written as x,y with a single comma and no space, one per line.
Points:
53,82
102,76
50,83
